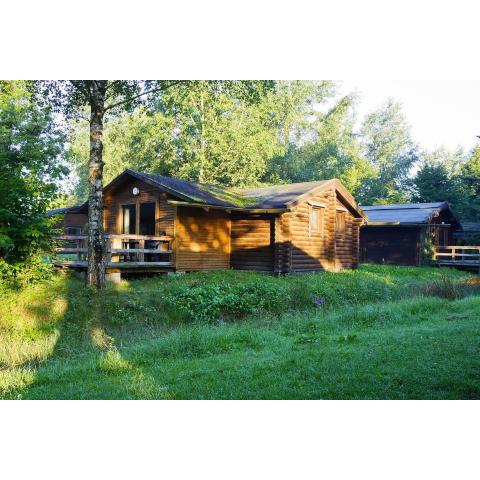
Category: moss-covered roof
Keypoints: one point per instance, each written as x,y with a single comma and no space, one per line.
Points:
275,196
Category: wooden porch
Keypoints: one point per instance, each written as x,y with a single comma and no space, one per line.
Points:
457,256
126,253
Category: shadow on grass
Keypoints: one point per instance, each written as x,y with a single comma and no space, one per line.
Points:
86,347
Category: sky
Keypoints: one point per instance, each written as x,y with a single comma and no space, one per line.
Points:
440,112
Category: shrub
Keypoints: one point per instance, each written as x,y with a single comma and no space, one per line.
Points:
209,302
20,274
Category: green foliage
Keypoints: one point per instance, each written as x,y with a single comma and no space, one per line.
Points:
246,133
20,274
450,176
470,178
210,302
327,146
60,340
443,287
433,183
216,132
388,146
30,167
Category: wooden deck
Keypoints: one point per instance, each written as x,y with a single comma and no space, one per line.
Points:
458,256
126,253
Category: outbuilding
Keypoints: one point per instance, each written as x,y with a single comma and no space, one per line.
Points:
404,234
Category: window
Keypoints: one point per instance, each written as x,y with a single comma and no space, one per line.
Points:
73,231
129,215
144,213
340,222
316,220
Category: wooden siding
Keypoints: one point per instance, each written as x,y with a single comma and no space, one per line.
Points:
253,242
300,249
286,243
202,239
347,244
312,251
74,220
216,239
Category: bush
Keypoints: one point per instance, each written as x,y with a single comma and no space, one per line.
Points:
209,302
20,274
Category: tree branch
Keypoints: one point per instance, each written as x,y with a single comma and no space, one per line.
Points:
141,94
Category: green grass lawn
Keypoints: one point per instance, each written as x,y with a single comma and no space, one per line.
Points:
377,332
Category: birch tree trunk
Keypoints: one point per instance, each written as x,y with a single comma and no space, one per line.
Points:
97,251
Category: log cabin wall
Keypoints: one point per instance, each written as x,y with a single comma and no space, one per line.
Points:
346,242
202,239
74,220
253,242
115,198
309,250
283,243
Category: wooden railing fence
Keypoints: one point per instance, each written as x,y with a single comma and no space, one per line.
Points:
461,255
124,250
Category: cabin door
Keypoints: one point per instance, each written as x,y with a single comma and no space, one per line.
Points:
138,219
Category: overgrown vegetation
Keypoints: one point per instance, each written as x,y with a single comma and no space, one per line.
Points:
30,145
378,332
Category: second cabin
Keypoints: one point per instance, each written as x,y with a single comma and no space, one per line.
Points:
157,223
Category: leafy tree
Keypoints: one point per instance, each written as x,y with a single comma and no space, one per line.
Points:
141,141
30,146
470,177
324,145
433,183
449,176
471,167
221,135
208,132
388,146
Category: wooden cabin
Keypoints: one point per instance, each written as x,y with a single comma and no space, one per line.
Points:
157,223
71,220
405,234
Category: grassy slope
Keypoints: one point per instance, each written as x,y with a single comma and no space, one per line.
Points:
62,341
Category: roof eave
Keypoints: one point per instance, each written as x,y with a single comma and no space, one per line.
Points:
227,208
149,181
406,224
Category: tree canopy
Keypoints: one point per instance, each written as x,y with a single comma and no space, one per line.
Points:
253,133
30,169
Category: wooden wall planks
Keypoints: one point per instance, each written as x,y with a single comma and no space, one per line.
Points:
202,239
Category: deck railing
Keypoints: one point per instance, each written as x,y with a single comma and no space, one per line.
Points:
461,255
124,250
